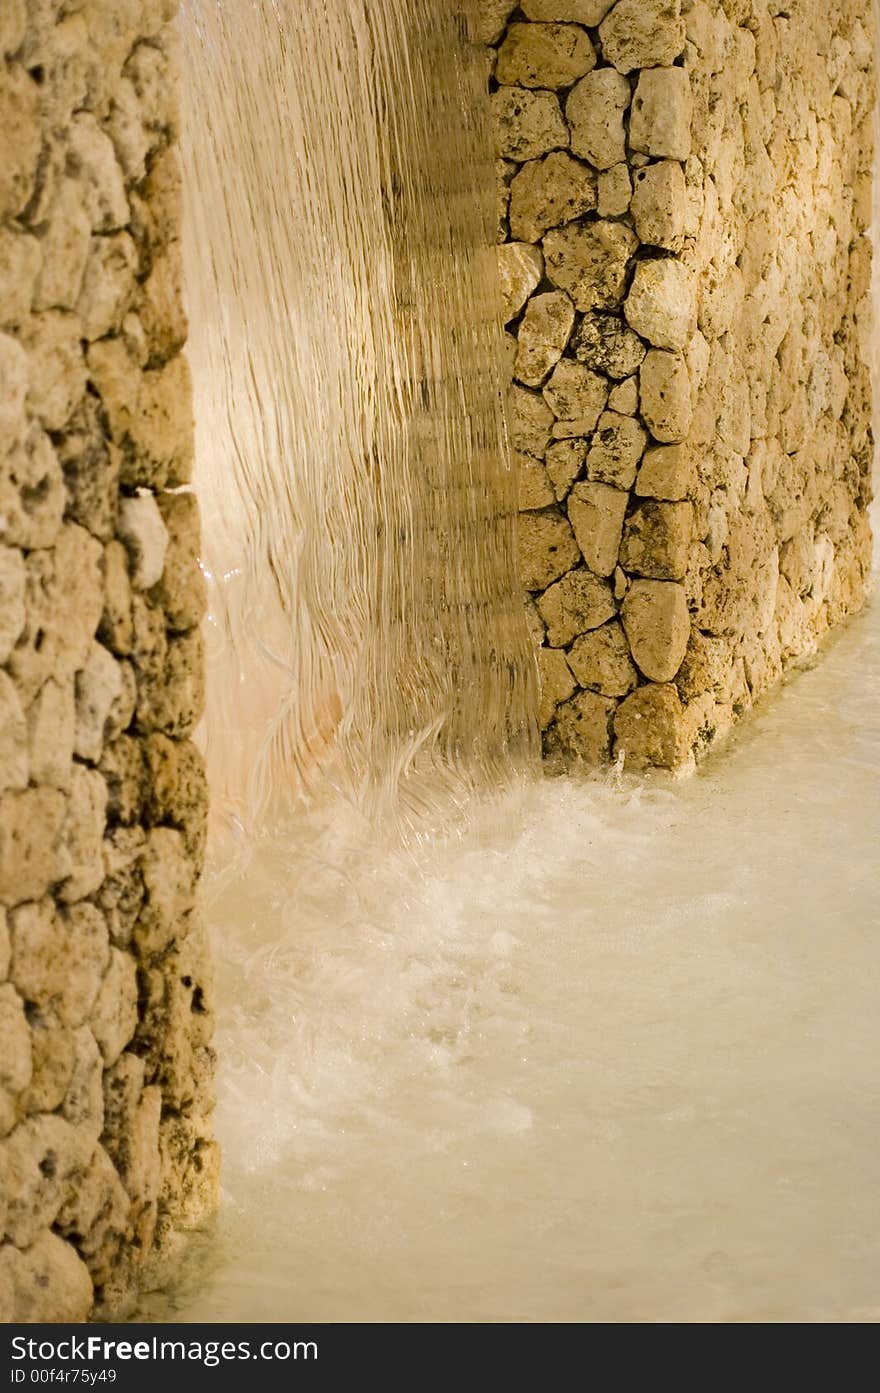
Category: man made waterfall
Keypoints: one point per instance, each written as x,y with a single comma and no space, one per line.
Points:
366,633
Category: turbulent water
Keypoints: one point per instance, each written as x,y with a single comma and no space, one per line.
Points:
618,1063
366,636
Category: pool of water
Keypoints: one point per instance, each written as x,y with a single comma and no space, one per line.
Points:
611,1056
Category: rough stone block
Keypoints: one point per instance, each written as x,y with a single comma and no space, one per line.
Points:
596,513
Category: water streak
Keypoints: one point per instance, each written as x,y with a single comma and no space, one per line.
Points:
366,632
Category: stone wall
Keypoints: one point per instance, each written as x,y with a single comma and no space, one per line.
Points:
105,1062
685,191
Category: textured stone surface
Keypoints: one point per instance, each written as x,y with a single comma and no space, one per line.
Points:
594,110
544,55
596,514
543,334
102,795
549,192
720,286
590,261
643,33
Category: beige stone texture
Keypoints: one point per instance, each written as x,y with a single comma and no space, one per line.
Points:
657,626
102,795
574,605
543,334
596,513
594,110
549,193
527,124
601,661
618,444
547,548
590,261
521,267
643,33
605,343
544,55
662,112
575,396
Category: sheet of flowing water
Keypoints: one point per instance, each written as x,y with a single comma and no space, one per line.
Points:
617,1062
366,639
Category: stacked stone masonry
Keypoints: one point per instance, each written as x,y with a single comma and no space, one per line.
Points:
105,1019
685,188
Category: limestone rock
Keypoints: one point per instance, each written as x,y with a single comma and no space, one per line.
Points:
171,697
530,421
544,55
617,447
659,205
649,728
30,843
97,1216
614,191
116,627
657,626
15,371
20,268
657,540
145,535
83,1105
666,472
543,334
58,960
576,397
65,249
577,603
13,25
31,493
596,513
590,261
108,285
20,124
94,161
549,193
181,590
114,1015
13,738
588,12
605,343
45,1157
491,19
665,396
98,687
527,124
58,374
661,304
53,1053
564,460
547,549
49,1282
583,728
91,470
595,109
15,1042
534,489
661,115
624,398
600,660
557,683
83,834
643,34
520,268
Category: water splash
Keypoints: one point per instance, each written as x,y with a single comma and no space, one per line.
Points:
366,633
